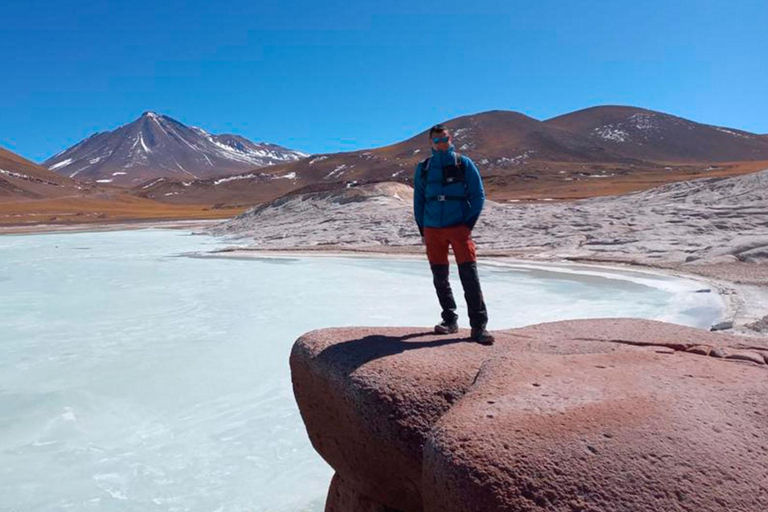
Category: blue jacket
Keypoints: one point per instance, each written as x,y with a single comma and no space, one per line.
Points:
431,212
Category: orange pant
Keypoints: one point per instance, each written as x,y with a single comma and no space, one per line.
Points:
459,237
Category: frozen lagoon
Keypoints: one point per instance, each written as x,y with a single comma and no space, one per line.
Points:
135,378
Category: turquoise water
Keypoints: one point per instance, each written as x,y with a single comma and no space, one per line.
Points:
136,378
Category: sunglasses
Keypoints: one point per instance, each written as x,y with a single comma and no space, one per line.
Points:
440,140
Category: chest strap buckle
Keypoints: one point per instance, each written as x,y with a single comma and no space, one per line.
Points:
441,198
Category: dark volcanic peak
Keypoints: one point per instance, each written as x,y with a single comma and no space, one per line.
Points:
655,136
156,146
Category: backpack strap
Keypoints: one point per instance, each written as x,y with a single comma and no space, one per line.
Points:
425,164
424,169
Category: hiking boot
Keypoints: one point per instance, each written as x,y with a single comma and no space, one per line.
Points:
482,336
446,327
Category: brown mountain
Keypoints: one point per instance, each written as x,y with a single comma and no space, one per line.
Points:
23,179
520,158
658,137
501,142
497,140
239,190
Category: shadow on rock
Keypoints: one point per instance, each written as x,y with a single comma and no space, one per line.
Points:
350,355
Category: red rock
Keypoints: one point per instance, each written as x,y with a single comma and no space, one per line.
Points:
342,498
702,350
752,357
717,352
369,398
576,415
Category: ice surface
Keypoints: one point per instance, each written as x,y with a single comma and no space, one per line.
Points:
136,379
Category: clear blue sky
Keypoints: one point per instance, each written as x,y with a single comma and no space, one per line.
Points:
340,75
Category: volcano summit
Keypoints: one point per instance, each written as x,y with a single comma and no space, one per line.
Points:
155,146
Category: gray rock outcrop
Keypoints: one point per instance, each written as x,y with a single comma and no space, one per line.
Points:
702,221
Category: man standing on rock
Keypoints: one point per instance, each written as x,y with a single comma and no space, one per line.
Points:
447,200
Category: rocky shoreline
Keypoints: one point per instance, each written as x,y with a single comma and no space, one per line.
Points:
713,228
744,291
700,222
122,225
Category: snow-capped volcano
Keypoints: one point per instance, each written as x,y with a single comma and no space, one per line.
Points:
155,146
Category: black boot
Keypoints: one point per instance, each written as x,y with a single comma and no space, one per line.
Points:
478,314
445,296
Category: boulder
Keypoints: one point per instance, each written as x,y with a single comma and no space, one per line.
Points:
609,414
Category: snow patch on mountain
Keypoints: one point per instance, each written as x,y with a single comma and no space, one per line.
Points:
61,164
144,146
26,177
317,159
735,134
14,174
235,178
515,160
609,132
644,122
153,182
337,172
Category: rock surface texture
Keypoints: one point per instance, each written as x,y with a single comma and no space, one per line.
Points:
713,220
585,415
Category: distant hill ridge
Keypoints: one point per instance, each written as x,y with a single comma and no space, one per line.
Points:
21,178
155,146
569,156
654,136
